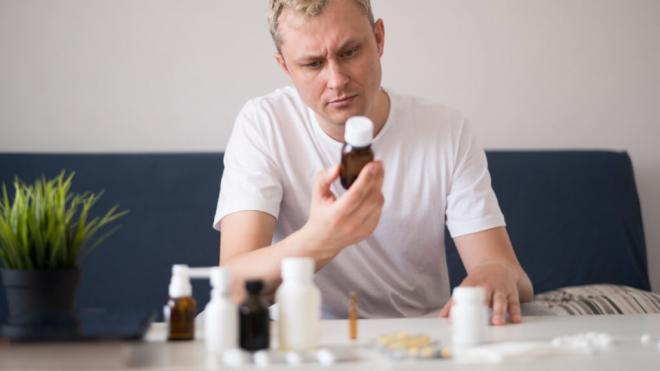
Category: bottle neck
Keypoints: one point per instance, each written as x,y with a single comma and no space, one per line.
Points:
298,280
220,294
363,147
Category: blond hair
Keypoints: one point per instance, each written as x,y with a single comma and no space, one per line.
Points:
308,8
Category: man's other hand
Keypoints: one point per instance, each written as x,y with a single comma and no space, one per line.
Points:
500,282
491,263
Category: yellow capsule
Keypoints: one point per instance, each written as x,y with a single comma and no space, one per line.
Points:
413,352
426,352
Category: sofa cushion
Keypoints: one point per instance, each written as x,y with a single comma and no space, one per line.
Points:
599,299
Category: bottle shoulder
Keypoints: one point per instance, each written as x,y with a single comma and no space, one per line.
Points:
296,290
348,148
186,302
253,305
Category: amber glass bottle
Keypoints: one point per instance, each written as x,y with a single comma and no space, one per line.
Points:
182,318
181,308
356,151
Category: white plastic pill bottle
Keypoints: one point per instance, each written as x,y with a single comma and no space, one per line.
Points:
221,314
299,306
469,316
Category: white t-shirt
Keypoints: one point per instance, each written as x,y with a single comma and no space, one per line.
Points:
435,172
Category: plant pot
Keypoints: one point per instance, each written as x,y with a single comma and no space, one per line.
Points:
41,304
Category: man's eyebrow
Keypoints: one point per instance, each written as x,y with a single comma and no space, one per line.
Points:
348,43
313,56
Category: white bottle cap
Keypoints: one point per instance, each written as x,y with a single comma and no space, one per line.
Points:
220,279
180,283
472,295
359,131
297,269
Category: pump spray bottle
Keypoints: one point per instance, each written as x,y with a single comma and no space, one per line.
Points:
181,308
221,314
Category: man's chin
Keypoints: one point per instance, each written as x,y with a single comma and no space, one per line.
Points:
340,118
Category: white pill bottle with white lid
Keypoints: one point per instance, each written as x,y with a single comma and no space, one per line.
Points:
299,306
469,316
221,314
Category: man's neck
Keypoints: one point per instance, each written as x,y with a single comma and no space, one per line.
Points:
379,117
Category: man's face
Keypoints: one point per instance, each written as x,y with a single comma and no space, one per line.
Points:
333,60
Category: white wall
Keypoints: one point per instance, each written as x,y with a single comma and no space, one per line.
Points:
170,75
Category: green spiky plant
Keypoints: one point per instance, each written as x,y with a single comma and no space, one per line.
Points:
47,227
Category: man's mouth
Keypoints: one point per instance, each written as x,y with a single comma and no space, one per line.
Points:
341,101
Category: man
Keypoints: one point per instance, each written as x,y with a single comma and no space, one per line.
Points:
384,236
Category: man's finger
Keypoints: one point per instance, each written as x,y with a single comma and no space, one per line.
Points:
360,189
514,309
381,177
370,207
444,312
489,297
499,309
371,220
323,181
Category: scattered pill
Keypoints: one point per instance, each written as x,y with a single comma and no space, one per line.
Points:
646,339
235,357
326,357
261,358
294,358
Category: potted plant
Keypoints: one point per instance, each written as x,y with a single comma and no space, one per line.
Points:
44,233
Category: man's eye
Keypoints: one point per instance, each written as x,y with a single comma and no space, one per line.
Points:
349,53
315,64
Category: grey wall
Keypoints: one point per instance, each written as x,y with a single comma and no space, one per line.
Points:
170,75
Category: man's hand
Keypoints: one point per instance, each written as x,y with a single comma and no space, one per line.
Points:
339,222
332,225
500,282
491,263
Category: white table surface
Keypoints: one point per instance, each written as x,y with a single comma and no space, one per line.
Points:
156,353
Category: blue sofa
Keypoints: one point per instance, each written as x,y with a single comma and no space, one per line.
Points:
573,216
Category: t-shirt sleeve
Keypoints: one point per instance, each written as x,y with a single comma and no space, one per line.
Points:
251,178
471,202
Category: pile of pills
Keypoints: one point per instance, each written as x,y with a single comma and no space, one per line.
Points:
589,342
266,358
401,345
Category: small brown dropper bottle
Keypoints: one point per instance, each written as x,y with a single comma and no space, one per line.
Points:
181,308
356,151
254,318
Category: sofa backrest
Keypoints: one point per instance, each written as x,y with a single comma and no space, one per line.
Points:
573,217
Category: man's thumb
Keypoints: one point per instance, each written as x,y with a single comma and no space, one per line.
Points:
323,181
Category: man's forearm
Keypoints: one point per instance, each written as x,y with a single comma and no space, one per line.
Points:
265,263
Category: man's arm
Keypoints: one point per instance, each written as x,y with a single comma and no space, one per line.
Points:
491,263
246,249
333,224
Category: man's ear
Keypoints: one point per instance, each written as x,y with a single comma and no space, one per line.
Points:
282,63
379,33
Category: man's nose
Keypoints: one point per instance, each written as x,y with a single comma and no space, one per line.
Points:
337,78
